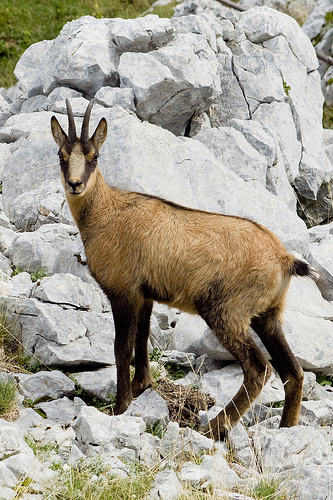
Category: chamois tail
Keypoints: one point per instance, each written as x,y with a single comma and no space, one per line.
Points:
302,268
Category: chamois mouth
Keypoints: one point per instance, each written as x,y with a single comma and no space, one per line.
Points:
74,193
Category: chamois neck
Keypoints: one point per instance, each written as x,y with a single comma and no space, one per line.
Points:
83,207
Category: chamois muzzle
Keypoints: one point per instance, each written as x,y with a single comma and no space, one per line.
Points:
74,185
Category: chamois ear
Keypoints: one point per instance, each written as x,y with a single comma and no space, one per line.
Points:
58,134
100,133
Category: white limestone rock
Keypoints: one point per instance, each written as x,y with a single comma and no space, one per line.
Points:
180,79
240,443
111,96
183,442
31,65
44,205
311,482
144,34
97,432
184,359
78,58
227,144
320,257
316,20
100,383
166,486
67,290
62,411
53,384
7,493
59,335
16,457
262,23
39,249
5,154
287,448
149,453
151,407
7,236
213,471
71,259
318,412
298,9
308,326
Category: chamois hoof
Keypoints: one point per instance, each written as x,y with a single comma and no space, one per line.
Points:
138,387
121,407
215,431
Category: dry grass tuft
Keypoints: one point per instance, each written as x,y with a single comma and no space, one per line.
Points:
184,402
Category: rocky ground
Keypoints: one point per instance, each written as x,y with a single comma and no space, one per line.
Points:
213,109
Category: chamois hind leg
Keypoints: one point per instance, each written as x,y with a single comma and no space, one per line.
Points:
142,379
257,371
125,321
269,328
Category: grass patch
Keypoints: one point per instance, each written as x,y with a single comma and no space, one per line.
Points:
157,429
324,380
174,371
269,489
92,479
24,487
8,397
286,88
35,276
193,493
13,357
41,451
24,22
327,116
278,404
155,355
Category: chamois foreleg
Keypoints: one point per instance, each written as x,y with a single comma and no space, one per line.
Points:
142,379
269,329
125,320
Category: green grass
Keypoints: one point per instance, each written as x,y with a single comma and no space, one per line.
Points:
155,355
8,396
324,379
24,22
92,480
35,276
328,116
174,371
269,489
13,356
286,88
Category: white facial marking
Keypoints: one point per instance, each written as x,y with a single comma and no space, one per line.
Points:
76,164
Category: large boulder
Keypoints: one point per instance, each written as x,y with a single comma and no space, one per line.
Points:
62,321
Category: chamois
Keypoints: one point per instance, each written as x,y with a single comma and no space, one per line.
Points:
230,270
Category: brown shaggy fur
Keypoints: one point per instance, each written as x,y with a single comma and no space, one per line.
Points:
231,271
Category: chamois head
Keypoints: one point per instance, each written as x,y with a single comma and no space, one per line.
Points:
78,156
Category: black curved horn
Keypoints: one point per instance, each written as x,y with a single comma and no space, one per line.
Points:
72,137
85,123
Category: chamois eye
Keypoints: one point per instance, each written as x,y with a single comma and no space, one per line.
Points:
95,156
61,156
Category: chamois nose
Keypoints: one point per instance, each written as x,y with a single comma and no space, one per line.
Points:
74,185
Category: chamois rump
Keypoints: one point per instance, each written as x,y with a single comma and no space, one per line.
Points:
231,271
